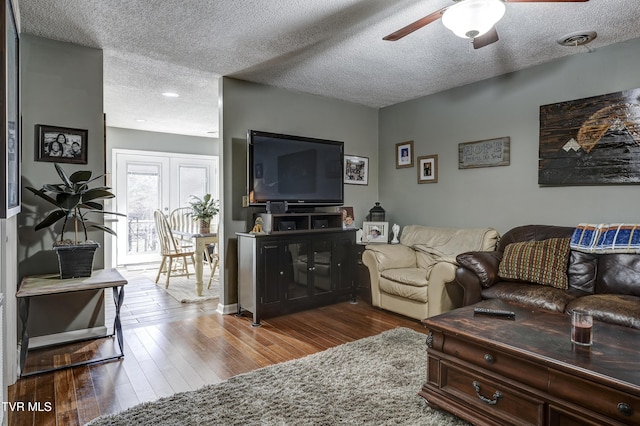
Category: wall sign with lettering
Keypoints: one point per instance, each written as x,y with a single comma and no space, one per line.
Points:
485,153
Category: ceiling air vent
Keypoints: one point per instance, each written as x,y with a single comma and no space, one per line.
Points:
577,39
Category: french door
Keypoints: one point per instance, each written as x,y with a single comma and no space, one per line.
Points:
146,181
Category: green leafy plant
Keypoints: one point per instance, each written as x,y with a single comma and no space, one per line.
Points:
74,200
204,208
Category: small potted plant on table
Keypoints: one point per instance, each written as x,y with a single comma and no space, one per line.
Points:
74,200
203,210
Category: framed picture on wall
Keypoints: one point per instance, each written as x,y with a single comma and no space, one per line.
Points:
356,170
10,165
61,144
428,169
404,155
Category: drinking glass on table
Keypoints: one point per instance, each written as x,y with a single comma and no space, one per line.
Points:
581,328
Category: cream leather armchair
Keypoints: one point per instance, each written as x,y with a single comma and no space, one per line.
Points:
416,277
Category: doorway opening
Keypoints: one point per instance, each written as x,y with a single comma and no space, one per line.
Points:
146,181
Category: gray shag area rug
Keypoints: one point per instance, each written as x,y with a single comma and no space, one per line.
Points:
372,381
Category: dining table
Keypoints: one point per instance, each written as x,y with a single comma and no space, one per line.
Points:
200,243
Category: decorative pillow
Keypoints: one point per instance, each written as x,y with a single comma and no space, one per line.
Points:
541,262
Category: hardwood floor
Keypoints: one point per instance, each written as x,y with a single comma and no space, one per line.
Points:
172,347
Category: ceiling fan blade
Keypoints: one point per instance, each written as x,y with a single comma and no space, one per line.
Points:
546,1
422,22
486,39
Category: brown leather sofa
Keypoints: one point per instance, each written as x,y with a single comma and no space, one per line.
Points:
608,285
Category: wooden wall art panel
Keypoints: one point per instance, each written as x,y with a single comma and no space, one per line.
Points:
591,141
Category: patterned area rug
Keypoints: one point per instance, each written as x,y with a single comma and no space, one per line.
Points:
370,381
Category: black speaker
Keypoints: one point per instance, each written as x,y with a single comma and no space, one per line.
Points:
320,224
287,225
277,206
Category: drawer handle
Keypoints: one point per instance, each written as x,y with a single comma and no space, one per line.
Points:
496,396
625,409
488,358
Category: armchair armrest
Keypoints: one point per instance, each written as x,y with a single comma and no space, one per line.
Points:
444,295
477,270
377,258
389,256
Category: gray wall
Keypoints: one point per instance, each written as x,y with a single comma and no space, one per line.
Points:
163,142
502,197
258,107
61,86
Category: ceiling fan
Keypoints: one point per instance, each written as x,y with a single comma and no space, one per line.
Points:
471,19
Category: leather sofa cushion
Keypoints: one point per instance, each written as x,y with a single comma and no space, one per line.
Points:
612,308
544,297
541,262
619,274
582,271
533,233
416,277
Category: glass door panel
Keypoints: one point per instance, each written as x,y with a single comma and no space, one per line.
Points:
298,262
143,193
321,266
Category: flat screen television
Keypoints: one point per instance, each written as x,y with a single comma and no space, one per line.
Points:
299,170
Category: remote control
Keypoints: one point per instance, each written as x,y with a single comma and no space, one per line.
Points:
494,312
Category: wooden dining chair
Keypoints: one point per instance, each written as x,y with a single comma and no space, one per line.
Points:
181,220
170,249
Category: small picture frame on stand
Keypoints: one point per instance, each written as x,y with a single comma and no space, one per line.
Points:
375,232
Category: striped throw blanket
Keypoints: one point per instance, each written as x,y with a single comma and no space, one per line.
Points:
606,238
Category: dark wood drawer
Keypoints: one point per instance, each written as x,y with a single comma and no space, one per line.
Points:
491,395
485,357
611,402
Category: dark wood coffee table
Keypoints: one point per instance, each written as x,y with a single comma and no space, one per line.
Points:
493,371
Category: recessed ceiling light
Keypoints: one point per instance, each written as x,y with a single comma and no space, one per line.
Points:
577,39
141,120
170,94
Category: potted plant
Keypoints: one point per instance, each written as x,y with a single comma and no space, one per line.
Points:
74,200
203,210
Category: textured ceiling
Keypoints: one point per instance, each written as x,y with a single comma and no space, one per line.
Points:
332,48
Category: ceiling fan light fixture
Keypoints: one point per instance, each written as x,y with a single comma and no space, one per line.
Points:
473,18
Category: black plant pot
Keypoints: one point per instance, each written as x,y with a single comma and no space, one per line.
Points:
76,261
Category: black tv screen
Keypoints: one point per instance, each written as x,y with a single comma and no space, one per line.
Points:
296,169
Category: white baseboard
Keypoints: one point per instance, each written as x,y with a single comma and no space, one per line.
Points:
227,309
67,336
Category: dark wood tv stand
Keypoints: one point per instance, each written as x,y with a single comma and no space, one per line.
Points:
493,371
291,271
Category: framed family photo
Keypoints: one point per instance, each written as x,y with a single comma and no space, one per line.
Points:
428,169
375,232
404,154
356,170
61,144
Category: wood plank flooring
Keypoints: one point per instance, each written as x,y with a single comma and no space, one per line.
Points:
173,347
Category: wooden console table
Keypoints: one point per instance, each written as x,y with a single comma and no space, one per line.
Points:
494,371
42,285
